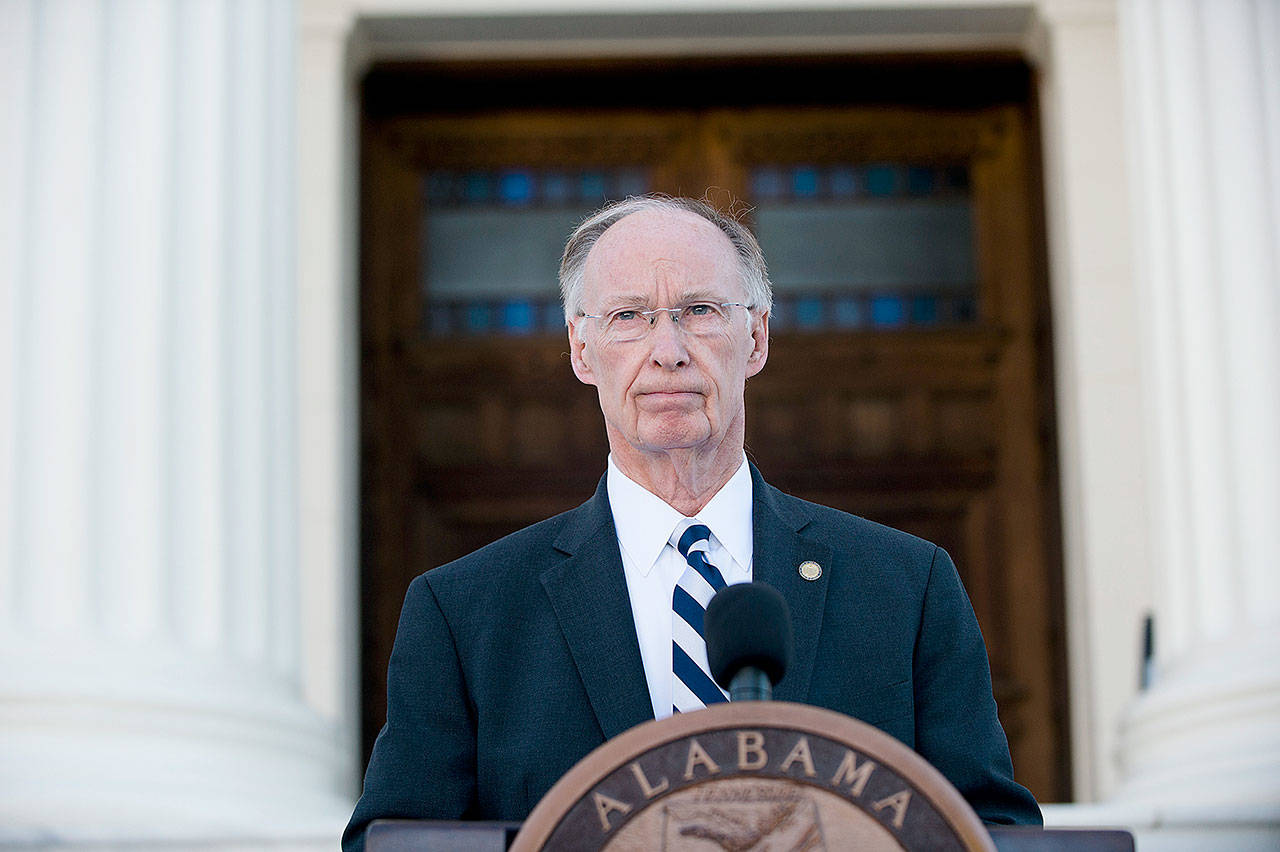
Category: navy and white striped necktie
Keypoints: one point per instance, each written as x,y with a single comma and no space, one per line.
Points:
692,686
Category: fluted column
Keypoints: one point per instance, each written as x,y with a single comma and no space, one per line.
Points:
149,577
1204,90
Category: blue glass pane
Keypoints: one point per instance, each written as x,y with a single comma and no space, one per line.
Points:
477,318
809,312
631,182
844,182
556,188
780,314
920,180
516,187
766,184
552,316
882,180
478,187
591,186
887,311
804,182
517,317
924,310
848,312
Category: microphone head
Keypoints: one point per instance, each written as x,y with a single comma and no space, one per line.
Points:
748,624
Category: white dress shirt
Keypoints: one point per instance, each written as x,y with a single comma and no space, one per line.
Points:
653,567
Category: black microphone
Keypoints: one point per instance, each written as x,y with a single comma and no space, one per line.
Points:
749,639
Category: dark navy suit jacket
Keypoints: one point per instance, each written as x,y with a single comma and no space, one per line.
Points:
515,661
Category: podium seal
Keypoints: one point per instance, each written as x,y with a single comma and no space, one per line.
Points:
754,775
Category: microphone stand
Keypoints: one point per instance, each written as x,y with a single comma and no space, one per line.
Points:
750,684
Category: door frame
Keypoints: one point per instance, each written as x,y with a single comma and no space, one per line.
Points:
1095,298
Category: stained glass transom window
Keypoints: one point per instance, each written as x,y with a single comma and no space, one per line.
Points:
492,239
878,246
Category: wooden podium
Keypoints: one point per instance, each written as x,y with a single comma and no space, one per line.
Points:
751,775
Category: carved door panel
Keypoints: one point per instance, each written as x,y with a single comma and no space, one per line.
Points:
923,403
935,417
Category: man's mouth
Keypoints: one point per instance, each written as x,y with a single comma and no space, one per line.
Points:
663,398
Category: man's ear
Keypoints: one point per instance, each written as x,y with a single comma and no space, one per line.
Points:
760,344
581,368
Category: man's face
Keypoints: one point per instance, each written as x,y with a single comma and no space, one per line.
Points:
668,390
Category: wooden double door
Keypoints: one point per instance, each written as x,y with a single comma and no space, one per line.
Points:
934,416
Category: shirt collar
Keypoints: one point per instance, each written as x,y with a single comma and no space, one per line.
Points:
728,515
645,521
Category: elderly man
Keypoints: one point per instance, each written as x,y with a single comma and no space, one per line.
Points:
512,663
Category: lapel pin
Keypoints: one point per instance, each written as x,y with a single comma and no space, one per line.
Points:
810,570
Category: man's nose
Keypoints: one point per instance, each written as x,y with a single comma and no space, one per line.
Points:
666,342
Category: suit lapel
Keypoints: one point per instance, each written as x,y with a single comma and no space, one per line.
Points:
779,548
588,593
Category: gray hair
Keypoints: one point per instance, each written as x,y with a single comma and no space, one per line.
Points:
755,275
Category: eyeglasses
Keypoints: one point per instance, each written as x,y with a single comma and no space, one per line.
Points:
701,319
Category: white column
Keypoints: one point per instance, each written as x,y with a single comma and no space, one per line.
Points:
1203,79
150,660
327,106
1100,419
